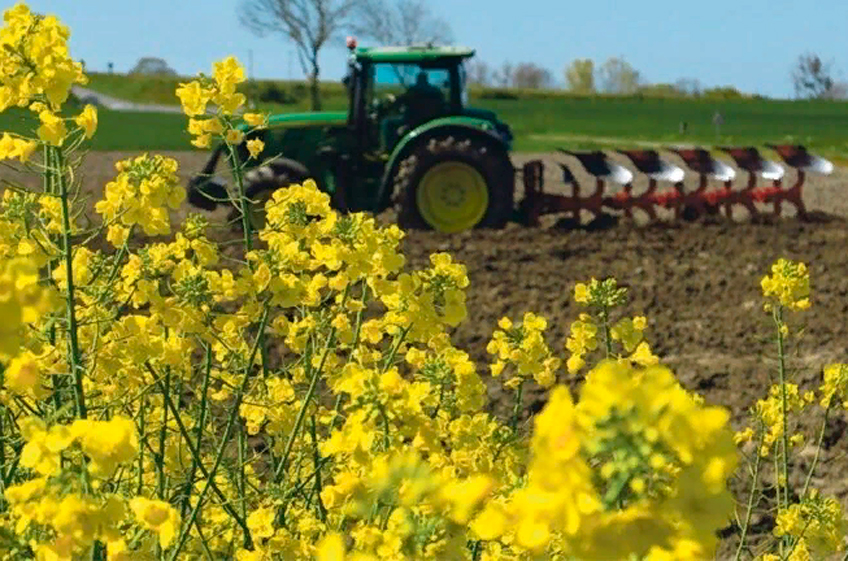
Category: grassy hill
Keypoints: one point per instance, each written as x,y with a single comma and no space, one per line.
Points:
541,120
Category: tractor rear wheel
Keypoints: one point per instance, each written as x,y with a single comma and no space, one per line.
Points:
453,184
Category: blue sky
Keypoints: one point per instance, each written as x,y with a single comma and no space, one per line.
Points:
751,44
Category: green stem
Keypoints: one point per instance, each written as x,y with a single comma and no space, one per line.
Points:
750,510
195,454
316,460
48,185
143,438
516,408
818,450
198,435
777,491
163,434
606,328
243,201
396,347
783,404
298,423
242,487
73,340
2,454
224,439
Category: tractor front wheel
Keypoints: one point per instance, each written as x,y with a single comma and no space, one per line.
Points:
453,184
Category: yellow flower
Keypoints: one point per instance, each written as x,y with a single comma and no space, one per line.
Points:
157,516
261,522
228,72
52,129
581,293
331,548
255,147
255,119
87,120
11,147
194,98
23,376
234,136
788,285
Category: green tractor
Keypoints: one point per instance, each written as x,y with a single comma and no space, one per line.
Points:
408,140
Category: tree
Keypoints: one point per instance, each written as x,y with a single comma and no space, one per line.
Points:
309,24
503,76
580,76
405,22
152,66
689,86
530,76
617,76
479,73
813,78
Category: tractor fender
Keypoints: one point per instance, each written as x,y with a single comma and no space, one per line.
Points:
479,129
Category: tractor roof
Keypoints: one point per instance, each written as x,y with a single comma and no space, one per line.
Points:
412,53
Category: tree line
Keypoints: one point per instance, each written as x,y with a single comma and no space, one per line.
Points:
312,25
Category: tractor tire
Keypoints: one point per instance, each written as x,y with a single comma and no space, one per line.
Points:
494,167
261,182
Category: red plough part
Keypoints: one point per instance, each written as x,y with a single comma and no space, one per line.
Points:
688,205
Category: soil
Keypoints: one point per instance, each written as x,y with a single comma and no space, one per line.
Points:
697,283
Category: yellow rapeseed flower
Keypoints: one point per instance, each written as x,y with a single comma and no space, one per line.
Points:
52,129
787,286
157,516
255,147
87,120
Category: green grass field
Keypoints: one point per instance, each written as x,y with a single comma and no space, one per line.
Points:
541,120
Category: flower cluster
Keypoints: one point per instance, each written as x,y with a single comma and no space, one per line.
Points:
623,471
35,63
601,297
787,286
195,96
523,347
141,194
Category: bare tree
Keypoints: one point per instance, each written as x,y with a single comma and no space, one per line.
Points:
813,78
580,76
689,86
531,76
617,76
503,77
309,24
403,22
479,73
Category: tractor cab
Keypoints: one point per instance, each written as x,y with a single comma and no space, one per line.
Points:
393,90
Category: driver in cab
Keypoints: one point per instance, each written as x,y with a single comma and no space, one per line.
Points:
423,101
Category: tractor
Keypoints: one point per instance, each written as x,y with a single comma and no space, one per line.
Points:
408,140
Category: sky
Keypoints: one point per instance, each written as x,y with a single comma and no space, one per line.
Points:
749,44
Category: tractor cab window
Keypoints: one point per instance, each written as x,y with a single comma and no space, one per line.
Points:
406,95
463,84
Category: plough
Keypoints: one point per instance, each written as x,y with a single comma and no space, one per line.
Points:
687,205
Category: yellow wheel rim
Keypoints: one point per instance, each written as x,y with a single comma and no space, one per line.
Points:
452,197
